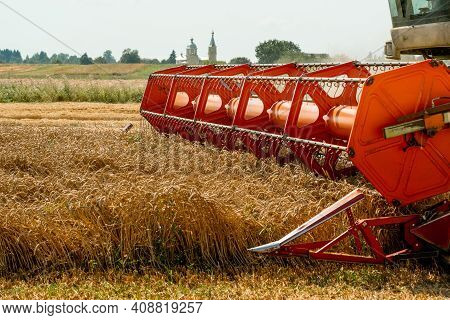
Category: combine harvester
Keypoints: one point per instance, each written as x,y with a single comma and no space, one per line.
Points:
389,121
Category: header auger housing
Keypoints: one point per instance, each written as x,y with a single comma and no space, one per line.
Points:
388,121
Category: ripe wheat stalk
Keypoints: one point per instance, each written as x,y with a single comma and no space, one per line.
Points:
94,197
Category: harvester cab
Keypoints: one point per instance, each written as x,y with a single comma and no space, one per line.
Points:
420,27
389,121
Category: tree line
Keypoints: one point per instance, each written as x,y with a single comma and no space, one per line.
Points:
128,56
270,51
282,51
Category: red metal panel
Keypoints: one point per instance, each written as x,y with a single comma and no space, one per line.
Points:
435,232
402,169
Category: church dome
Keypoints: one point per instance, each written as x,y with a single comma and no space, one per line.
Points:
192,45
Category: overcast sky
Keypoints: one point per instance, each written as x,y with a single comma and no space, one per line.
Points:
353,27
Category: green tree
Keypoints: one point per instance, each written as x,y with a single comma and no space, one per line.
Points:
240,60
130,56
85,59
38,58
109,58
273,50
100,60
151,61
63,57
54,59
73,60
10,56
34,59
43,58
172,58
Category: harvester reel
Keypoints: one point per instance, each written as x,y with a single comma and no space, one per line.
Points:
389,121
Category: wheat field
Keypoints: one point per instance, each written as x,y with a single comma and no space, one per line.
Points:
70,90
84,205
106,71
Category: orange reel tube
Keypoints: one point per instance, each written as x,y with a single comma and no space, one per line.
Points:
213,104
279,113
255,107
340,120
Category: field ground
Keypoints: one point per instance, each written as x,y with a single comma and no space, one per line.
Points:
271,282
108,71
90,212
69,114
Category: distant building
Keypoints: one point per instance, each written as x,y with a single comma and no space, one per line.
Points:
316,57
192,57
192,54
212,50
